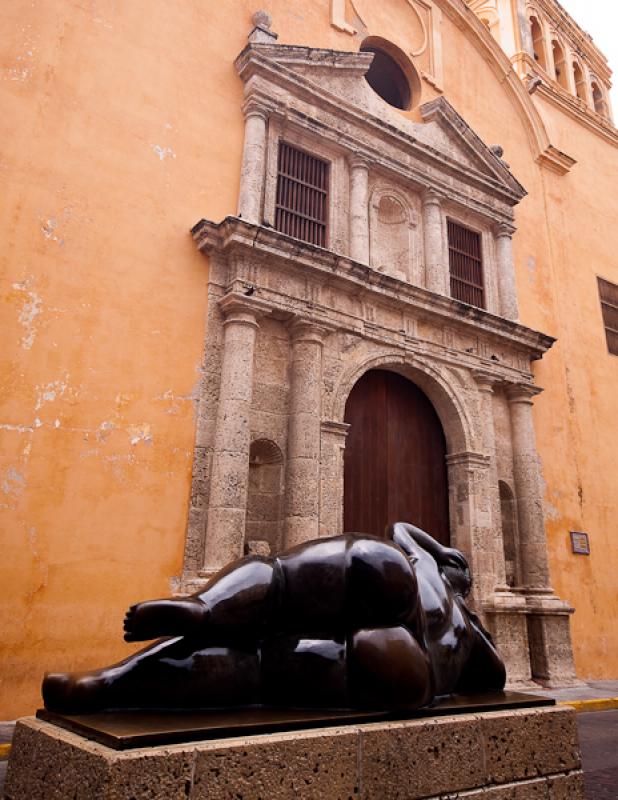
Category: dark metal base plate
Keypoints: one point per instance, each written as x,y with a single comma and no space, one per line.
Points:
122,730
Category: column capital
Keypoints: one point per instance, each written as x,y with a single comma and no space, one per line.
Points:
237,308
485,380
504,230
254,108
522,393
307,330
431,197
468,459
358,161
337,429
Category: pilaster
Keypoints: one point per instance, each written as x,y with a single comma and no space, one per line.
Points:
303,464
230,462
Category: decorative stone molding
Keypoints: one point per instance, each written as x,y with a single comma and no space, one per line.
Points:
326,317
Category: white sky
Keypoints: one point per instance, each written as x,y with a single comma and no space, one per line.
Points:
599,18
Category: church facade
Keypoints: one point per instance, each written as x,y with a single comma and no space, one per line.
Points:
400,294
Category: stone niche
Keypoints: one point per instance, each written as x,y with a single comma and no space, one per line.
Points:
292,327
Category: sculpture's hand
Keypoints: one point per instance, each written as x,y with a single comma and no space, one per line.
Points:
170,617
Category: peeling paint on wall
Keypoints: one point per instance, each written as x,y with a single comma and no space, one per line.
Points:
48,227
48,392
140,433
14,482
30,310
163,152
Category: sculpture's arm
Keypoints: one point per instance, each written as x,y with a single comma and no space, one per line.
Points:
484,669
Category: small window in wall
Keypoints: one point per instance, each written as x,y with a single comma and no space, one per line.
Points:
580,81
465,265
600,106
302,195
391,74
560,65
538,44
608,292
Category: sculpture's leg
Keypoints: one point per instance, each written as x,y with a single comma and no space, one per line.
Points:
388,668
175,673
240,596
371,668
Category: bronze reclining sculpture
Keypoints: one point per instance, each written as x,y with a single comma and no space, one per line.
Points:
349,621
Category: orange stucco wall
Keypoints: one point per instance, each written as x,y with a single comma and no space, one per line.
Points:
121,127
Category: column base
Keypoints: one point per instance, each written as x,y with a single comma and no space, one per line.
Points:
551,649
507,620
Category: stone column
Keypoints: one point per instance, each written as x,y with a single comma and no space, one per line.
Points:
253,163
528,494
227,508
486,382
359,209
436,273
302,490
331,477
469,514
506,272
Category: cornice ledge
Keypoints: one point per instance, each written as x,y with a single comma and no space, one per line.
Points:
555,160
234,234
440,110
344,61
570,105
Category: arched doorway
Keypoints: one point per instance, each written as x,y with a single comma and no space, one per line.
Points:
395,458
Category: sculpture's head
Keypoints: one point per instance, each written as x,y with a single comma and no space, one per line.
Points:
454,565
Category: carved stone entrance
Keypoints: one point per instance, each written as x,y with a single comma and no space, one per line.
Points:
292,328
395,458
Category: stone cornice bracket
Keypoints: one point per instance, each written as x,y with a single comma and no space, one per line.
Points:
522,393
262,33
240,309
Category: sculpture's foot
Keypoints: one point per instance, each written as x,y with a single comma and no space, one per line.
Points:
156,618
75,693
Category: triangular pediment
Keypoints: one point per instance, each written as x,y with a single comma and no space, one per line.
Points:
334,81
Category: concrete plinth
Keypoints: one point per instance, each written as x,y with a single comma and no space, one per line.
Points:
503,755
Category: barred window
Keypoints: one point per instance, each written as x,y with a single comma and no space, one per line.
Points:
465,265
302,195
608,292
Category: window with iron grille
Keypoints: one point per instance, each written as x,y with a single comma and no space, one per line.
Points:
302,195
465,265
608,292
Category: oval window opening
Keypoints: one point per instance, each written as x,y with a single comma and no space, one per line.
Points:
387,78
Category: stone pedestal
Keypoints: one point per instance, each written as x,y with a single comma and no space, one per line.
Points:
490,756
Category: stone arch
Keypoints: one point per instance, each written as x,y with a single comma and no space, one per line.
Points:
558,53
264,520
579,77
445,398
537,33
598,97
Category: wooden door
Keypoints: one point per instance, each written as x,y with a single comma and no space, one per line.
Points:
395,458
